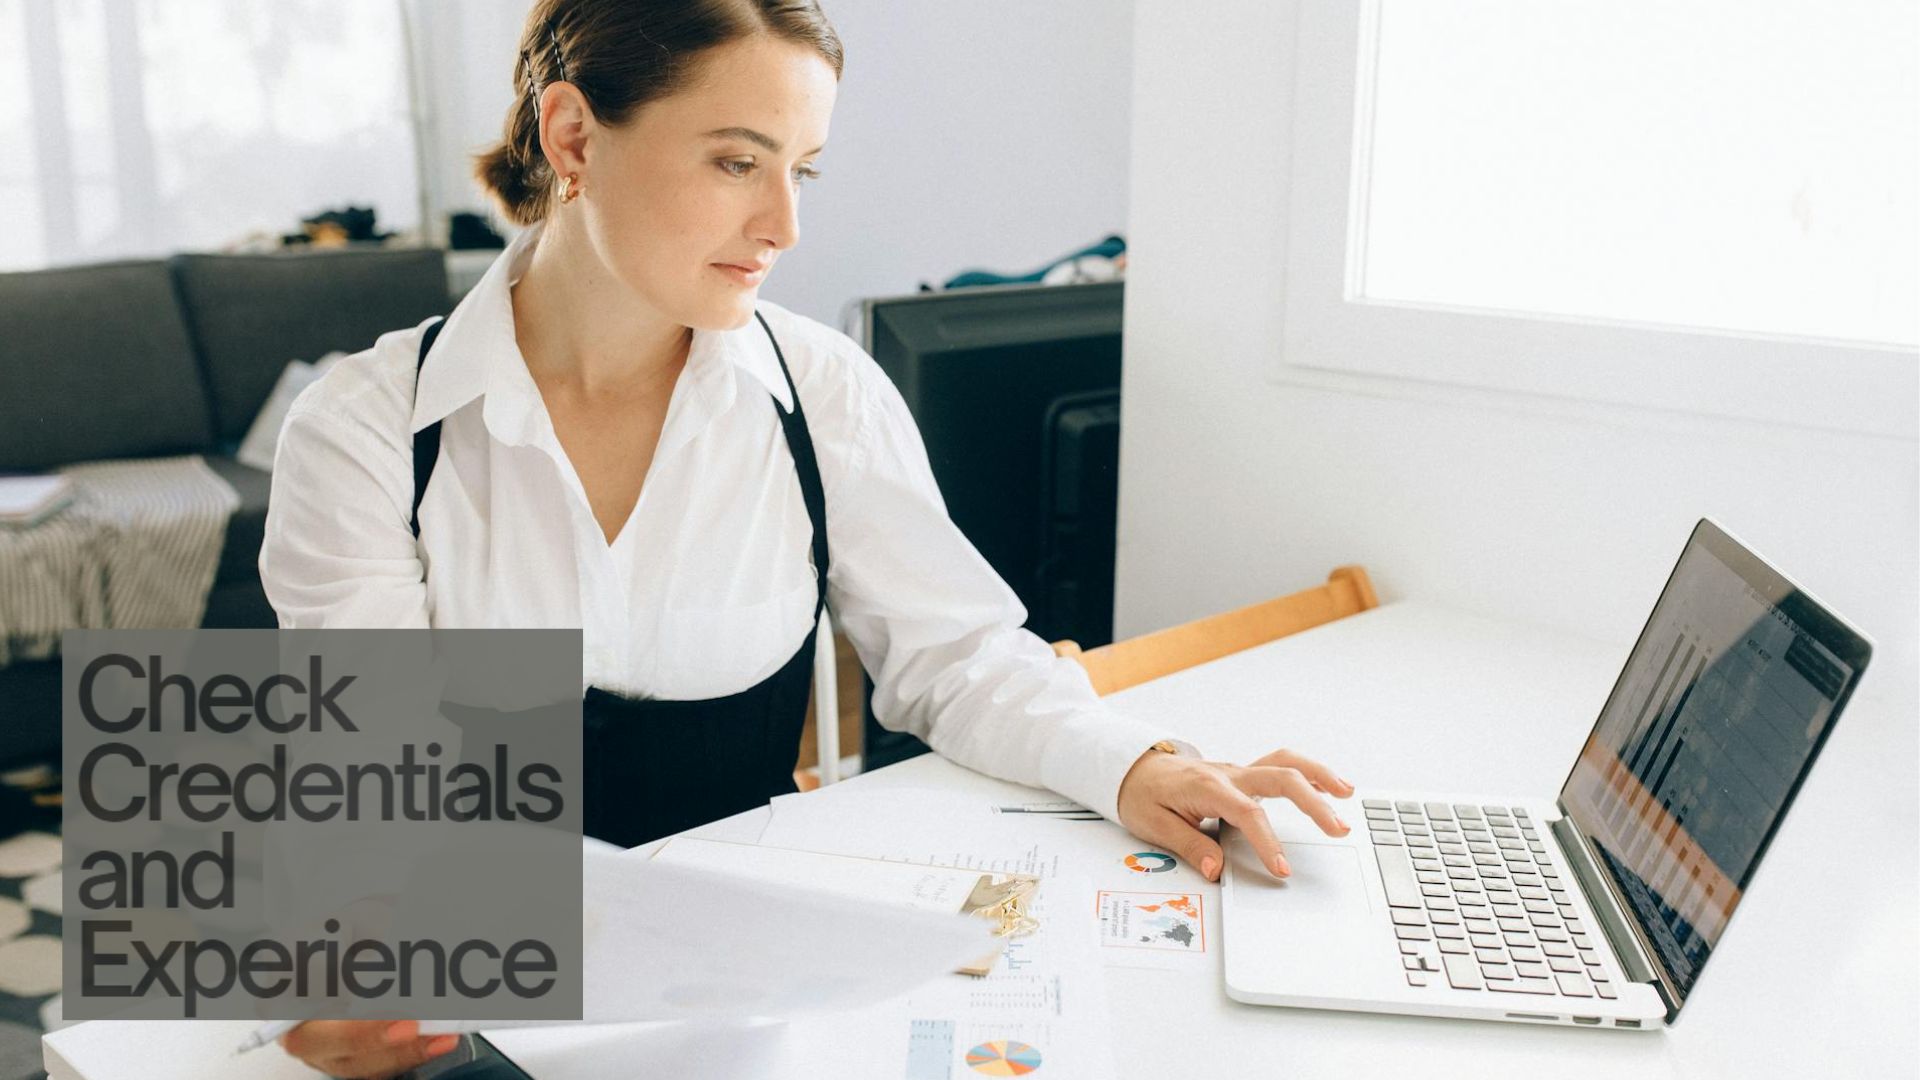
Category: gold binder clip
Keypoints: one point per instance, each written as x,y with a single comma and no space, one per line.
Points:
1006,902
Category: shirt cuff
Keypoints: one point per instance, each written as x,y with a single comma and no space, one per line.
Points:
1091,770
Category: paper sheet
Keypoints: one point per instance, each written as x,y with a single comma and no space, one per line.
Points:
1045,1003
1133,891
667,941
948,830
1043,1010
873,881
1043,1007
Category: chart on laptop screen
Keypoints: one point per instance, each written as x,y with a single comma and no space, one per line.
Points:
1712,723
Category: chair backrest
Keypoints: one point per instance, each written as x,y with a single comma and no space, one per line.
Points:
1162,652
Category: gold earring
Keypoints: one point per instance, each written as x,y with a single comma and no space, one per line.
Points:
568,192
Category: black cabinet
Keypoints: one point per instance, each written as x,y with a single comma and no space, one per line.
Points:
1016,392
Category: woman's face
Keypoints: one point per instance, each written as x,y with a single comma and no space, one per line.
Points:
708,177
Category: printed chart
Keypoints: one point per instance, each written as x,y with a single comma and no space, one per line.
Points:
1167,922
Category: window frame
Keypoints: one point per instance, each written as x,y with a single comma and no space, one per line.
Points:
1333,338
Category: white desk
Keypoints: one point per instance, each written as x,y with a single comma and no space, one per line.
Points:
1816,975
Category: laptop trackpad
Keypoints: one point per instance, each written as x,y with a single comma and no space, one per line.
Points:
1314,932
1317,919
1326,885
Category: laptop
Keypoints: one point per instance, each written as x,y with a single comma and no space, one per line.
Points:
1600,907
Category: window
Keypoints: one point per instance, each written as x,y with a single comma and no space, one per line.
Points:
1711,207
154,126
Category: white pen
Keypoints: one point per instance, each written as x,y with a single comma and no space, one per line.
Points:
266,1034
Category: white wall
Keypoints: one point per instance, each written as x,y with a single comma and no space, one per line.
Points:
466,52
986,135
1236,488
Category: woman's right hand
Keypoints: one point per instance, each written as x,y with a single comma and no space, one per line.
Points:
364,1049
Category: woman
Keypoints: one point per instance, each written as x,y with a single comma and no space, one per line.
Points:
598,451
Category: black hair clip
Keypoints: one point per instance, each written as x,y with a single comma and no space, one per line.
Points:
554,40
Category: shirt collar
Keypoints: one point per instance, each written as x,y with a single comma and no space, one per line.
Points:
477,355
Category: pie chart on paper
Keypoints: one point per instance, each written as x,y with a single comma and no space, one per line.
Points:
1003,1057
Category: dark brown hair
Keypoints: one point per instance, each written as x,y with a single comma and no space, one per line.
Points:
622,54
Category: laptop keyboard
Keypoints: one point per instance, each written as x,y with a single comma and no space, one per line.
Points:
1478,902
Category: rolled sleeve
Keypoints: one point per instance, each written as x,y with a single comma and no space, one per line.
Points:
940,632
338,550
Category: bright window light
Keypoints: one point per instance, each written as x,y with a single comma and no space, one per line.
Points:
137,128
1707,164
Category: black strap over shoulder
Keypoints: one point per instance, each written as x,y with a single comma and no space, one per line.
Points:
800,444
426,441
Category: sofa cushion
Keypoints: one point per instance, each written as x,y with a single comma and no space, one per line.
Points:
250,314
97,363
247,528
240,605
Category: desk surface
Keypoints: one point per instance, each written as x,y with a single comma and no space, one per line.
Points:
1816,976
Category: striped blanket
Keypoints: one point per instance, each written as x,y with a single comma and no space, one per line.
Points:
136,549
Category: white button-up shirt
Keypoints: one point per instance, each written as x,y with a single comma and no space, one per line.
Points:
708,587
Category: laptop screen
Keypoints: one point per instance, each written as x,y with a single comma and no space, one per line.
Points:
1714,722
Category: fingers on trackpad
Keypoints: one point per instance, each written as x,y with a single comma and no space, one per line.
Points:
1326,882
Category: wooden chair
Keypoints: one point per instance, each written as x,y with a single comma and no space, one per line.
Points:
834,665
1162,652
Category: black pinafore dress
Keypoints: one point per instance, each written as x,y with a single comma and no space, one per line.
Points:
653,766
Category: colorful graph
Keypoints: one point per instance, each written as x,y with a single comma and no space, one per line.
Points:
1183,904
1138,920
1003,1057
1149,862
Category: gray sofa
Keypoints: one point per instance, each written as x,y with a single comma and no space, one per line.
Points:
161,357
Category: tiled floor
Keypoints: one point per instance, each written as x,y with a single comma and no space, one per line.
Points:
29,936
